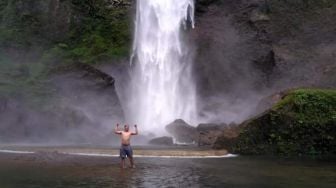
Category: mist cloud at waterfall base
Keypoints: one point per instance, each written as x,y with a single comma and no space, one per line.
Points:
75,108
221,109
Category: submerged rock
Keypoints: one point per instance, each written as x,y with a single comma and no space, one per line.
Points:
165,140
303,122
182,131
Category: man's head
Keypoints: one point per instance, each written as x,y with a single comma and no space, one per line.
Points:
126,128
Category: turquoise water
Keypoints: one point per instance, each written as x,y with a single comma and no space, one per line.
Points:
91,172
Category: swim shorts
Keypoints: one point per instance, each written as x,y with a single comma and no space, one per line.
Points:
126,150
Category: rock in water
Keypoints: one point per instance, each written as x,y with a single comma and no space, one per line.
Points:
182,131
164,141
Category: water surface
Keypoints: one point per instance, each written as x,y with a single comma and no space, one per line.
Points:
80,171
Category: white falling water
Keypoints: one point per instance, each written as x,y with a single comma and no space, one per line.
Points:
162,88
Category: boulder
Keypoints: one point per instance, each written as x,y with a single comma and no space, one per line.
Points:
210,127
164,141
302,123
208,133
182,131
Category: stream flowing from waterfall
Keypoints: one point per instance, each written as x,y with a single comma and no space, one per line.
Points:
162,87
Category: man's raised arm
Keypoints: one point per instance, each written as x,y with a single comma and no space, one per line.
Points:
136,130
116,130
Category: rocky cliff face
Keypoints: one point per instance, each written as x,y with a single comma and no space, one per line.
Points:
79,106
76,105
87,30
244,50
249,49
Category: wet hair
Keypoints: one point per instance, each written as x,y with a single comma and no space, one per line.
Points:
126,127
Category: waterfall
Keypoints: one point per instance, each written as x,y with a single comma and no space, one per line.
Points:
162,87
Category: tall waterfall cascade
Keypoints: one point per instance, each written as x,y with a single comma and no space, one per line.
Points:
162,87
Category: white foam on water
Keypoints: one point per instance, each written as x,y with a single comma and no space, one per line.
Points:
16,151
187,157
137,156
90,154
156,156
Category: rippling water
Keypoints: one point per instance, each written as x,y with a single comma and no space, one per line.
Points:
155,172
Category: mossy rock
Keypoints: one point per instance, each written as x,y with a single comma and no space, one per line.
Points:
302,123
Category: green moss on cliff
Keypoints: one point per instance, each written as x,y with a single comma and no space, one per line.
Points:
37,35
103,32
304,122
89,30
309,105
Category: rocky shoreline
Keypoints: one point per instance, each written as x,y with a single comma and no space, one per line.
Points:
50,153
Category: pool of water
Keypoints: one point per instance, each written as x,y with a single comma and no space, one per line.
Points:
102,172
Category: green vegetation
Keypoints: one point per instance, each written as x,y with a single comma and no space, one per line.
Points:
27,82
103,33
24,24
85,30
37,35
303,123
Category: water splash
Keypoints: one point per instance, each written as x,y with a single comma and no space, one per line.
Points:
162,87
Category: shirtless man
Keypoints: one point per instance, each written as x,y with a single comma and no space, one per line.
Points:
125,148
